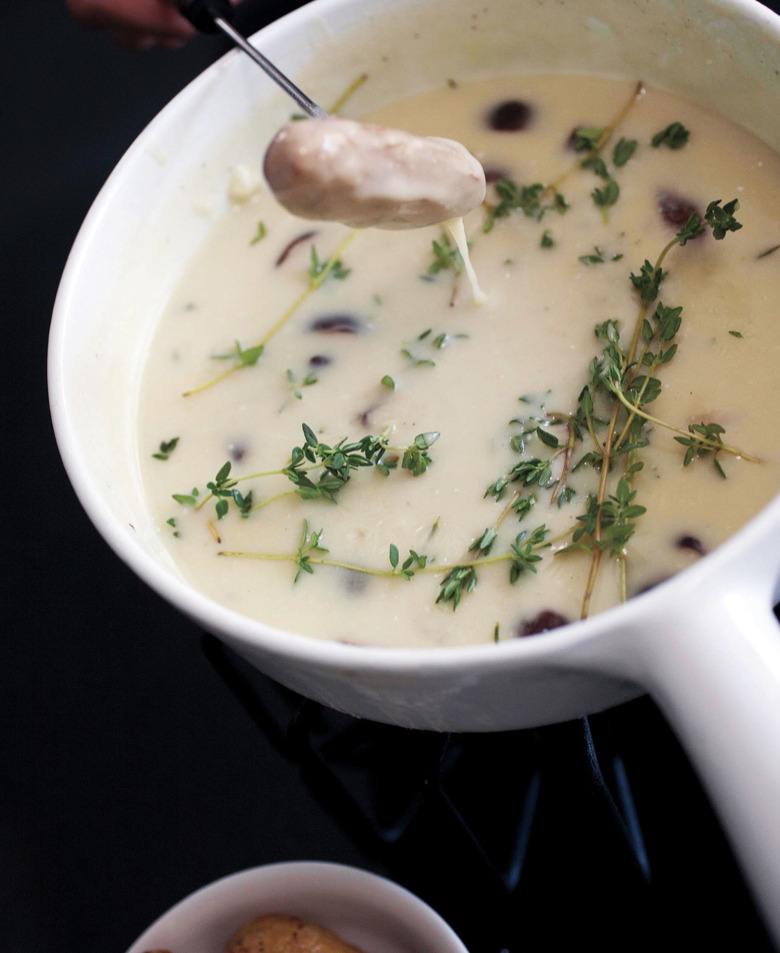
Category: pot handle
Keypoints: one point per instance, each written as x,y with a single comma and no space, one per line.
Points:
715,675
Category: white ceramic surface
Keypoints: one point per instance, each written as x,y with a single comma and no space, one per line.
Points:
366,910
704,644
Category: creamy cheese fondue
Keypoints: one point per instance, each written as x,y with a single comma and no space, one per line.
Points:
289,334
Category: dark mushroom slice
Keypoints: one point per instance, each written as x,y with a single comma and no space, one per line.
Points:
287,250
494,173
337,323
237,450
543,621
676,210
364,417
692,543
355,583
511,115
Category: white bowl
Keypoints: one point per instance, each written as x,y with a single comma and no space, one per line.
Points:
366,910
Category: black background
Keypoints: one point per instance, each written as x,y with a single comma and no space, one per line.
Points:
129,773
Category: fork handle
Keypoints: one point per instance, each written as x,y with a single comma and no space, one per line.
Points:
202,14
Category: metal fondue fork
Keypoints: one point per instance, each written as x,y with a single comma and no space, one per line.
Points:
211,16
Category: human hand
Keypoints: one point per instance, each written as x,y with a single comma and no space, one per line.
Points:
135,24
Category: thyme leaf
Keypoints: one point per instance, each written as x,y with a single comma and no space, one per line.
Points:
598,257
675,136
705,439
445,257
242,357
588,138
334,269
534,201
608,195
309,544
259,234
416,458
721,219
623,151
648,281
165,449
458,582
413,562
524,558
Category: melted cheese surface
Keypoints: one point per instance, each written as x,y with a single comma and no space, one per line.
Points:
395,346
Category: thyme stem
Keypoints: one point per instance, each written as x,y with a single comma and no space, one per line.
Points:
372,571
353,87
636,95
703,441
314,284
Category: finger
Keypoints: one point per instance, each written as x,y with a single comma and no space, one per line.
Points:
137,41
174,3
133,40
123,18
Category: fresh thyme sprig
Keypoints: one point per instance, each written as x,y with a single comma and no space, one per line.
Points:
406,569
623,382
615,517
525,472
416,458
537,200
310,543
522,557
704,439
627,377
593,142
249,357
296,386
317,470
534,201
334,464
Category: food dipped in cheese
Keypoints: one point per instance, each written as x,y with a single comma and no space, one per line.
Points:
364,174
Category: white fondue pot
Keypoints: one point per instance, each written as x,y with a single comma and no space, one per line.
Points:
705,644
